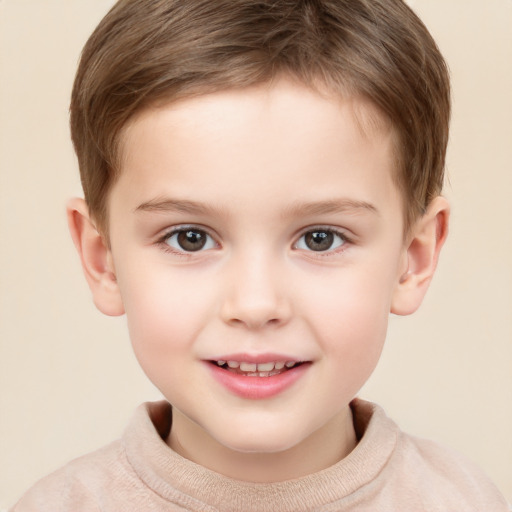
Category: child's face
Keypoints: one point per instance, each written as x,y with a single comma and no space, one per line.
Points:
257,226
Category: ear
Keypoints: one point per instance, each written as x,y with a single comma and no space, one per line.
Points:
96,259
422,253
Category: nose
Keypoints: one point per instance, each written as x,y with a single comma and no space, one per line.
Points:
256,297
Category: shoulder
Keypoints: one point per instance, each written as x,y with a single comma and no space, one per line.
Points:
422,474
442,479
77,485
105,479
457,476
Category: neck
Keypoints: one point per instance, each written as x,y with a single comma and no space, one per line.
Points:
325,447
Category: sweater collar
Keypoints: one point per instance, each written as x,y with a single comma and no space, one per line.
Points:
196,488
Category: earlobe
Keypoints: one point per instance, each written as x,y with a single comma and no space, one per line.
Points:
422,253
96,259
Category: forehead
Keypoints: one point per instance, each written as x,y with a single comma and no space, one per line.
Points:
283,95
229,144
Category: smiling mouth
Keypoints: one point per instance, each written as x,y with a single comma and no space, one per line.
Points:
246,369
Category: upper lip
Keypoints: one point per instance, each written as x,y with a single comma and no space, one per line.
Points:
257,358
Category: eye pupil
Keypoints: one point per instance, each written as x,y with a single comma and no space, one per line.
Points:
319,240
190,240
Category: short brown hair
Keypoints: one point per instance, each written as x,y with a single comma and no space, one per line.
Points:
146,51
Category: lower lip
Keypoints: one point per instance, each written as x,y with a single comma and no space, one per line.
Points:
258,388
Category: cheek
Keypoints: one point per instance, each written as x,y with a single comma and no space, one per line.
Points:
350,319
164,314
351,302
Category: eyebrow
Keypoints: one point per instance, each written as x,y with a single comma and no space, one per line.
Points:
342,205
165,205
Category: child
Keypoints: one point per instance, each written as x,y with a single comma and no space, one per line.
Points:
262,188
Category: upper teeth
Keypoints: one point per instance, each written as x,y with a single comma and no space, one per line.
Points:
259,367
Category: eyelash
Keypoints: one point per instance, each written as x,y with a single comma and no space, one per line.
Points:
163,241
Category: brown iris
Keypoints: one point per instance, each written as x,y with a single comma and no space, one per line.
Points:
319,240
192,240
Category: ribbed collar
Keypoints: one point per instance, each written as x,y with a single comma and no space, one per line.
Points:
196,488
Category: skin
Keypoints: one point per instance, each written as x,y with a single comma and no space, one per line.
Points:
254,171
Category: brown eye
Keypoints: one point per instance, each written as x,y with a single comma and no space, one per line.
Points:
190,240
320,240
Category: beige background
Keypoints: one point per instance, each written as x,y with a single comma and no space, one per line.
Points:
68,380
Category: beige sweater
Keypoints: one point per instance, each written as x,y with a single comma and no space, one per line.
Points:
388,471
